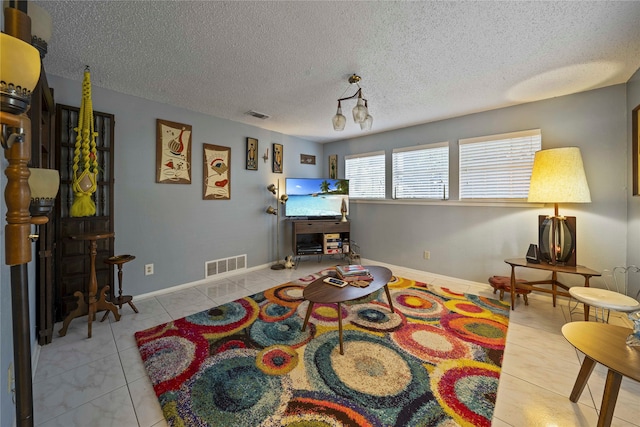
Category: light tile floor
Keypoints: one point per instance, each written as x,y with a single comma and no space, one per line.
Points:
101,381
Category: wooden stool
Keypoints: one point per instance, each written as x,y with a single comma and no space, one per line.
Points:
120,300
503,283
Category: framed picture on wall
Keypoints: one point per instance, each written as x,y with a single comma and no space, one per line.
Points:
333,166
252,154
635,137
173,152
278,156
217,172
307,159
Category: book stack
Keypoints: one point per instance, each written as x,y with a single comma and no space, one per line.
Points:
332,243
353,273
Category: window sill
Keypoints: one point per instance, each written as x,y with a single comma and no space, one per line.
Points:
423,202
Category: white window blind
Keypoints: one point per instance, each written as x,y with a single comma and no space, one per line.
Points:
421,172
498,166
366,175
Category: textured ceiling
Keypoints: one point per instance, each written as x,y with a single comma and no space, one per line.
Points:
419,61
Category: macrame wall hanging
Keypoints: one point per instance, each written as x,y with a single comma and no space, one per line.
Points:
85,156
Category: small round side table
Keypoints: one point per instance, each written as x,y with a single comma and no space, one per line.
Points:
120,300
95,304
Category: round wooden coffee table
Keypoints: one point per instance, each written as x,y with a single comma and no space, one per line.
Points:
605,344
320,292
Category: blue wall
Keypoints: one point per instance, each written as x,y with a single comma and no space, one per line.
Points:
471,241
170,225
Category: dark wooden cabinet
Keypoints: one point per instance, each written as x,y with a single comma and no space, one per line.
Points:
314,237
72,266
42,114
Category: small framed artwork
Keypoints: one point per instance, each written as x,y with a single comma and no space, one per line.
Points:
333,166
278,155
307,159
635,138
252,154
217,172
173,152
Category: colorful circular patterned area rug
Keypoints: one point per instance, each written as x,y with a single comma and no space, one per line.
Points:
434,362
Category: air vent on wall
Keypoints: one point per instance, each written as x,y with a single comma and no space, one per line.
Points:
225,265
257,115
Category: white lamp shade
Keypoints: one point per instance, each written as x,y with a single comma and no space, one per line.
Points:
360,111
367,123
339,121
44,183
558,177
40,22
19,62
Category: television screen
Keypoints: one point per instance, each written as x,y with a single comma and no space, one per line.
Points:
316,197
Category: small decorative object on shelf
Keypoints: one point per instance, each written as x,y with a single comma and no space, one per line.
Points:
343,210
633,340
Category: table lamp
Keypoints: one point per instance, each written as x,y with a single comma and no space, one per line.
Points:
558,177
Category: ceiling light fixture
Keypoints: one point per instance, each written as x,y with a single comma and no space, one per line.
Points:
360,111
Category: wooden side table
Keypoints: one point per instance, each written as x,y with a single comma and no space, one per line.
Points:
95,305
120,300
605,344
585,272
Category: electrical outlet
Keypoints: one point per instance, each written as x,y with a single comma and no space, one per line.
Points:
148,269
426,255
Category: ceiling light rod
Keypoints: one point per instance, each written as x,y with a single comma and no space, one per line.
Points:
360,111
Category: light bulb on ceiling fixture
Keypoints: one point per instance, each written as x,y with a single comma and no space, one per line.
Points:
360,111
368,121
339,121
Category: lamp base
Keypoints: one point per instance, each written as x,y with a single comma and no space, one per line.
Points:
41,207
277,266
557,240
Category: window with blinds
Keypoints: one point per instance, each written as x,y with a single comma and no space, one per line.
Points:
498,166
366,175
421,172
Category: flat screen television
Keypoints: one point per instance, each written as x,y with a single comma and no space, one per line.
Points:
316,198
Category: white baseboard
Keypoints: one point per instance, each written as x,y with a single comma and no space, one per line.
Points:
199,282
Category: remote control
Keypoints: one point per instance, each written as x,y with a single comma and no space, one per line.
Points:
336,282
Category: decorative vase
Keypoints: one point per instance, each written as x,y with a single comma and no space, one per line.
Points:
343,210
